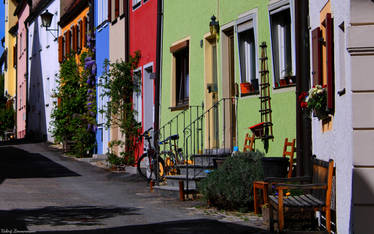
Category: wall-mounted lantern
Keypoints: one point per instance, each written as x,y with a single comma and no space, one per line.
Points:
46,22
214,26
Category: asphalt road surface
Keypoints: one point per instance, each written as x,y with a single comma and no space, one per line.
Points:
43,191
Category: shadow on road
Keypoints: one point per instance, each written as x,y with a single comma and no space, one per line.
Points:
20,219
17,163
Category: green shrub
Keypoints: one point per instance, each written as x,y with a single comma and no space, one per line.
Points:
231,185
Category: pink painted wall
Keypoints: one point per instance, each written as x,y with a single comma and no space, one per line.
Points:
22,71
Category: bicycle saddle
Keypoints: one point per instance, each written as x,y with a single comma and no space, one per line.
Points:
173,137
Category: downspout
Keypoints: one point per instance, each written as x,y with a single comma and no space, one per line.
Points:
27,78
127,36
303,124
158,69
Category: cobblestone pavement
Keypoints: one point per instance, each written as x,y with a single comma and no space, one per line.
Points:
41,190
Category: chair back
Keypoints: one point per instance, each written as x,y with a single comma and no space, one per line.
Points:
249,142
323,173
289,150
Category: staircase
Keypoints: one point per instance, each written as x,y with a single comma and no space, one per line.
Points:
197,146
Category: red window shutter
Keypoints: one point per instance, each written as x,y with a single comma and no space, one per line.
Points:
317,56
81,34
84,29
60,48
116,10
110,10
330,61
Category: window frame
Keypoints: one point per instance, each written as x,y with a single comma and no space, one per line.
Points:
139,115
274,8
136,5
175,48
241,21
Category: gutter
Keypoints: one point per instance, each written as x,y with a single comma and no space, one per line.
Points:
127,36
158,67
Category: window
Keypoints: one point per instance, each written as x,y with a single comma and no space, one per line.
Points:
15,56
71,42
137,97
280,24
182,76
136,3
78,35
20,43
247,54
102,11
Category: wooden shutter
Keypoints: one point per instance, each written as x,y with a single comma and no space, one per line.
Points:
81,34
74,31
60,48
124,7
68,42
330,61
110,10
84,29
317,56
116,10
14,55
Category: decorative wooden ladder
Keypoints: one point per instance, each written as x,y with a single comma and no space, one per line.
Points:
265,95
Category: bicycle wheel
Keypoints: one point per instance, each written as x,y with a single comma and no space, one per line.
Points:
144,166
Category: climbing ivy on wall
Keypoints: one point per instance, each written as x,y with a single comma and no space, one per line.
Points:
119,85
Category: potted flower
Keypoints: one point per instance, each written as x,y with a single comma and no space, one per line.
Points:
315,101
245,87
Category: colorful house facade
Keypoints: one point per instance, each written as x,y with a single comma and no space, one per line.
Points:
142,38
22,12
221,70
42,49
102,53
118,48
341,58
10,49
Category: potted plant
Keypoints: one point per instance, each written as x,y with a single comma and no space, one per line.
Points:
245,87
315,101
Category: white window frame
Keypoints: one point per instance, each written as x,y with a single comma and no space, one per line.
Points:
102,11
241,21
136,4
277,7
137,98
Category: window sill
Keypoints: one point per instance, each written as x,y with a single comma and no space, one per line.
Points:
249,94
179,107
285,86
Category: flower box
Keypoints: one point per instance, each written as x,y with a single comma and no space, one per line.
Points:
246,88
258,129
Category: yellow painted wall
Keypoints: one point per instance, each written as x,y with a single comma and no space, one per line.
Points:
10,42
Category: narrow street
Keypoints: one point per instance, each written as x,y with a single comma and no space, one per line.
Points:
41,190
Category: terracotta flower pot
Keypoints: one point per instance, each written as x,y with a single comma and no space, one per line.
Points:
245,88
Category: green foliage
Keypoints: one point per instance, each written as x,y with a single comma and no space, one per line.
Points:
7,113
119,85
115,160
73,118
231,185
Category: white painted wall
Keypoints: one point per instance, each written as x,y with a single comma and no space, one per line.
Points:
47,55
337,143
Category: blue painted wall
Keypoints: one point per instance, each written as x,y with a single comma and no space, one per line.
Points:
102,53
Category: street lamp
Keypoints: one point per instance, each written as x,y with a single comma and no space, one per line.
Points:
46,21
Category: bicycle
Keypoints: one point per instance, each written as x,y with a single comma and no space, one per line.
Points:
173,156
148,160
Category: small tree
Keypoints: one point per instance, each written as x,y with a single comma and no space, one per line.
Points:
119,85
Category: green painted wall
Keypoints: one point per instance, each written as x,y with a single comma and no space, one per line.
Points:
191,19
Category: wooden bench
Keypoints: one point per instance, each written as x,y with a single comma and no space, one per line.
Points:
317,196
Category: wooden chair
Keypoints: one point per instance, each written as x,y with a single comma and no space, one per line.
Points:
317,199
249,143
262,185
289,153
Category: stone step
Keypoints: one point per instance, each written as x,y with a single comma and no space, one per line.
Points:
173,180
207,159
195,170
170,191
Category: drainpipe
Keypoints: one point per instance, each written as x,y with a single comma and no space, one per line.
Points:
27,79
158,68
303,124
127,36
